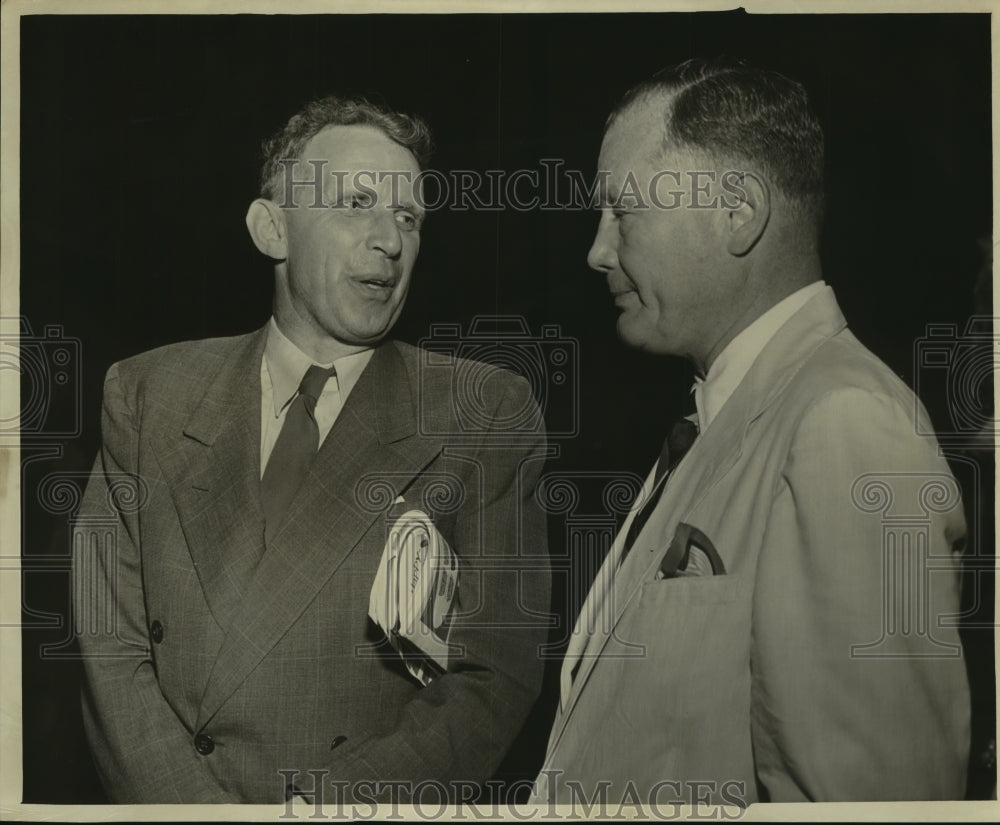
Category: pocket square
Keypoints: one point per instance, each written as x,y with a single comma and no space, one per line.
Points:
691,553
399,500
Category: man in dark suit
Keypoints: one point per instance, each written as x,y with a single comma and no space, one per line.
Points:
776,620
234,659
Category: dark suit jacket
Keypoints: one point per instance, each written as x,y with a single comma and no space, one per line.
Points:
205,676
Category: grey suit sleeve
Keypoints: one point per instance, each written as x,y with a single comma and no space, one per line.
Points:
458,729
141,748
859,693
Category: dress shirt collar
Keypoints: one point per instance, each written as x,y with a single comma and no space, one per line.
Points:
286,364
733,363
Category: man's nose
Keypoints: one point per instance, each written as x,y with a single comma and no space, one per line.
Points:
385,235
603,255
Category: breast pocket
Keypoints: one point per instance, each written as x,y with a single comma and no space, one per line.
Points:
689,592
694,636
681,682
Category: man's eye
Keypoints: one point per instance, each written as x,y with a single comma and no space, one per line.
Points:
354,202
407,220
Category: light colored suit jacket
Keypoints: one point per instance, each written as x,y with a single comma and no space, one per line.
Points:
825,664
206,676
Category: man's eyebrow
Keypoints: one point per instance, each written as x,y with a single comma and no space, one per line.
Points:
410,205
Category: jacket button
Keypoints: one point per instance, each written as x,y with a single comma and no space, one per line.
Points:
156,631
203,744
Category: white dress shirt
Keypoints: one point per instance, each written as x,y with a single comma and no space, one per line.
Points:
281,371
733,363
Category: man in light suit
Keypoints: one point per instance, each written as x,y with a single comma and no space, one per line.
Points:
223,579
776,620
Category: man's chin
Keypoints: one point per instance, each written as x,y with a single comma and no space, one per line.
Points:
631,334
367,335
640,337
366,340
366,326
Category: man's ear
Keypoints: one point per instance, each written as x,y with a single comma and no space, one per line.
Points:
748,218
266,223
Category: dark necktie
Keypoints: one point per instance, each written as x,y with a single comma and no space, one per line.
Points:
675,447
294,450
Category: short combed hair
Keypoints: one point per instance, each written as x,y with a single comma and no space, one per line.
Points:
409,131
737,113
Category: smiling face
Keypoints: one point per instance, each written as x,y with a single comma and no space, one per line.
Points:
663,265
347,263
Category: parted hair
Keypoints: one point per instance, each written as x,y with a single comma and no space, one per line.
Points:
409,131
738,113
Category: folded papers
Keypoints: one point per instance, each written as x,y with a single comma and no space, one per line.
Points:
413,592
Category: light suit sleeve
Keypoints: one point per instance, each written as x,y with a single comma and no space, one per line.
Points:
859,689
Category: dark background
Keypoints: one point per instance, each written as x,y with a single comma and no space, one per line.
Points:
139,141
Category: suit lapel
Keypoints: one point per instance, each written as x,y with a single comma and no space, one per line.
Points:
214,478
685,488
710,458
373,450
